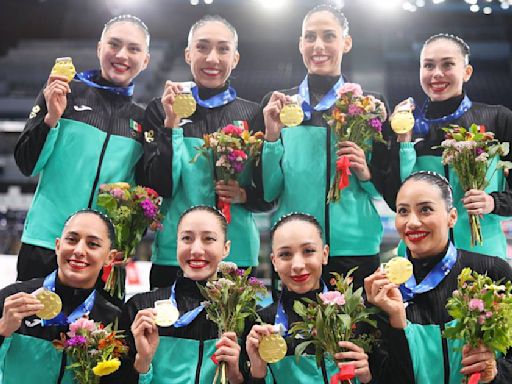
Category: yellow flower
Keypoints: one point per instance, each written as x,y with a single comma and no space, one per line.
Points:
120,185
106,367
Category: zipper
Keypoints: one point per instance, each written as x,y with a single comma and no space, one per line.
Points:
199,362
324,371
100,161
63,361
327,186
446,361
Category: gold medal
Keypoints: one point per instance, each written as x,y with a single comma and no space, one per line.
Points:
292,115
64,67
166,313
272,348
184,103
52,304
398,270
402,122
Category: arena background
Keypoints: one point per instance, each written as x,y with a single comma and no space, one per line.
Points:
387,36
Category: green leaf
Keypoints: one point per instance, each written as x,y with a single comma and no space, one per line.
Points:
299,349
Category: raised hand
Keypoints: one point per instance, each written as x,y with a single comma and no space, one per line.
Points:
145,333
55,95
16,308
271,113
170,91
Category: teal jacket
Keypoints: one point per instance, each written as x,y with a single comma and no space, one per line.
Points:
28,355
96,141
170,171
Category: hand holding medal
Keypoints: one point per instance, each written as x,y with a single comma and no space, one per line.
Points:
402,120
64,67
51,302
184,103
292,115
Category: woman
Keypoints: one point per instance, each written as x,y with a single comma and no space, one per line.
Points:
171,145
89,123
26,349
425,214
298,255
182,353
444,69
298,163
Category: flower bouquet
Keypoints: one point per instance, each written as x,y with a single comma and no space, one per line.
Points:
331,319
356,118
469,152
132,210
483,310
231,148
230,300
95,350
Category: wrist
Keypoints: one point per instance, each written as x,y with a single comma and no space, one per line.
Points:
271,136
172,122
50,121
258,370
141,364
398,321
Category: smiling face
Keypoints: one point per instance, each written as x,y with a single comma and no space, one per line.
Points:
298,255
322,44
423,219
123,53
443,70
83,250
201,244
212,54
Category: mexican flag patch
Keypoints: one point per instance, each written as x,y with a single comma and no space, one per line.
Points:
135,126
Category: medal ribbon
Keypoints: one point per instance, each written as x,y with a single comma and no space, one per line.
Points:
327,101
217,100
422,124
410,288
80,311
86,77
188,317
281,318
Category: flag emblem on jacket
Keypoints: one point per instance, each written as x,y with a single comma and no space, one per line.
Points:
135,126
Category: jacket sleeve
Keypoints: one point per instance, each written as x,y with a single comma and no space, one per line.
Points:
158,149
36,142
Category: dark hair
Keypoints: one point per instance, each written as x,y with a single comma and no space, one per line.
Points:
336,12
212,18
130,19
436,179
206,208
295,216
463,46
106,220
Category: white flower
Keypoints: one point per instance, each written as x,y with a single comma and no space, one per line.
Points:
227,267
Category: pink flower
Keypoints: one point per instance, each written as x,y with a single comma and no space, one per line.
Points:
476,304
81,324
353,88
231,129
332,297
354,110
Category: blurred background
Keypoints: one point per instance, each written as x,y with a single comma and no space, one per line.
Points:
387,36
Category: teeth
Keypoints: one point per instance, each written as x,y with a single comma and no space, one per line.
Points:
77,263
416,235
318,59
211,71
197,263
438,87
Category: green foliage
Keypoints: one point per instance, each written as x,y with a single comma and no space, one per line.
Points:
483,310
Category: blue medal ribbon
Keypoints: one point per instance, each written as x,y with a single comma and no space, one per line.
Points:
87,77
188,317
80,311
422,124
217,100
281,318
410,288
327,101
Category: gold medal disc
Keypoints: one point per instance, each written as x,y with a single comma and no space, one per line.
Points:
398,270
402,122
272,348
64,67
52,304
184,105
291,115
166,313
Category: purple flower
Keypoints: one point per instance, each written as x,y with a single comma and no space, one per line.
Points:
76,341
150,210
376,124
354,110
479,151
476,304
255,282
239,272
